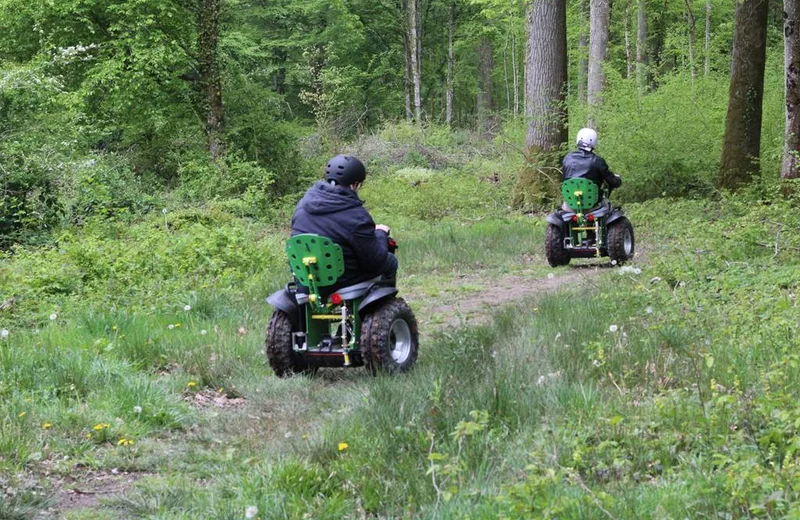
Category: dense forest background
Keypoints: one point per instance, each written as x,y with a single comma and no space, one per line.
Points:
107,107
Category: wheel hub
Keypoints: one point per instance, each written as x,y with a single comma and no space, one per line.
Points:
400,341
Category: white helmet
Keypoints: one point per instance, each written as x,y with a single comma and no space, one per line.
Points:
587,139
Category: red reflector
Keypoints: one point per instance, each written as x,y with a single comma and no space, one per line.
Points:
336,298
574,218
590,218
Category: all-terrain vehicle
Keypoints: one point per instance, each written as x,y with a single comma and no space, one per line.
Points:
587,227
318,324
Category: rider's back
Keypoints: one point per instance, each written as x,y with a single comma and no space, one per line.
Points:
587,165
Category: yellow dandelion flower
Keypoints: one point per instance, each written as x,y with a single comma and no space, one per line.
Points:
536,309
46,426
305,436
22,414
88,435
343,446
125,442
114,327
191,384
101,426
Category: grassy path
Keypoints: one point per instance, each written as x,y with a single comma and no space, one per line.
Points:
279,417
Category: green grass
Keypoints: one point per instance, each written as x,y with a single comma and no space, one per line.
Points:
665,393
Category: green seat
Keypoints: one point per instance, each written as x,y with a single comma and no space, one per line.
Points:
316,261
580,194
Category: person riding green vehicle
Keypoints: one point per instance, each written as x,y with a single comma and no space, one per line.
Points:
341,307
587,225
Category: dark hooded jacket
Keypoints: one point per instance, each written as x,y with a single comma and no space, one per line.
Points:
337,213
587,165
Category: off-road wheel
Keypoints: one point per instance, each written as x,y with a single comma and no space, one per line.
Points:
621,245
554,246
389,337
280,352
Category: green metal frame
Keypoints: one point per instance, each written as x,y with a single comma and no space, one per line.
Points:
582,195
316,262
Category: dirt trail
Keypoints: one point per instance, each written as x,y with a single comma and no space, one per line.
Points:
484,296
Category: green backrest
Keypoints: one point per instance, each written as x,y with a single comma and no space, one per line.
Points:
580,194
315,255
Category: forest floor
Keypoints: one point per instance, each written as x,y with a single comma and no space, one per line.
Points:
276,424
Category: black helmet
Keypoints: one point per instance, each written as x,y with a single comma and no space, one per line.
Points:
345,170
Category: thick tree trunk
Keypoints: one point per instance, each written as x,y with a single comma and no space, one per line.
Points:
742,142
641,46
485,66
628,49
451,65
692,27
414,45
210,77
515,72
583,52
707,49
791,32
545,91
599,15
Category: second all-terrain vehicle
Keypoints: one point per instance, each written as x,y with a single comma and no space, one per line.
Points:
587,226
316,323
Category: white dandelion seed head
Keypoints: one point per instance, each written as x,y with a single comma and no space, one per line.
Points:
613,328
649,310
4,333
250,512
596,362
541,381
551,276
187,308
164,211
203,332
170,326
613,262
137,409
53,317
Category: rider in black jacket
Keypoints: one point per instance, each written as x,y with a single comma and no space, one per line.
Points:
331,208
584,163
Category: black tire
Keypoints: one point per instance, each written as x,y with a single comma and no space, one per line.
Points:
390,337
554,249
621,243
280,352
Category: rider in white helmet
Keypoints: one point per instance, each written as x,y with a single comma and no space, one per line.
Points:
584,163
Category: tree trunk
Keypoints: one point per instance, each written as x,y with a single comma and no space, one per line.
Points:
641,46
210,77
628,49
583,53
742,142
545,91
485,66
791,32
505,76
515,72
451,65
692,26
599,14
707,65
414,46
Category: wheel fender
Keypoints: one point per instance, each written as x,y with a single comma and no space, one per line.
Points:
556,220
285,301
376,295
616,214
